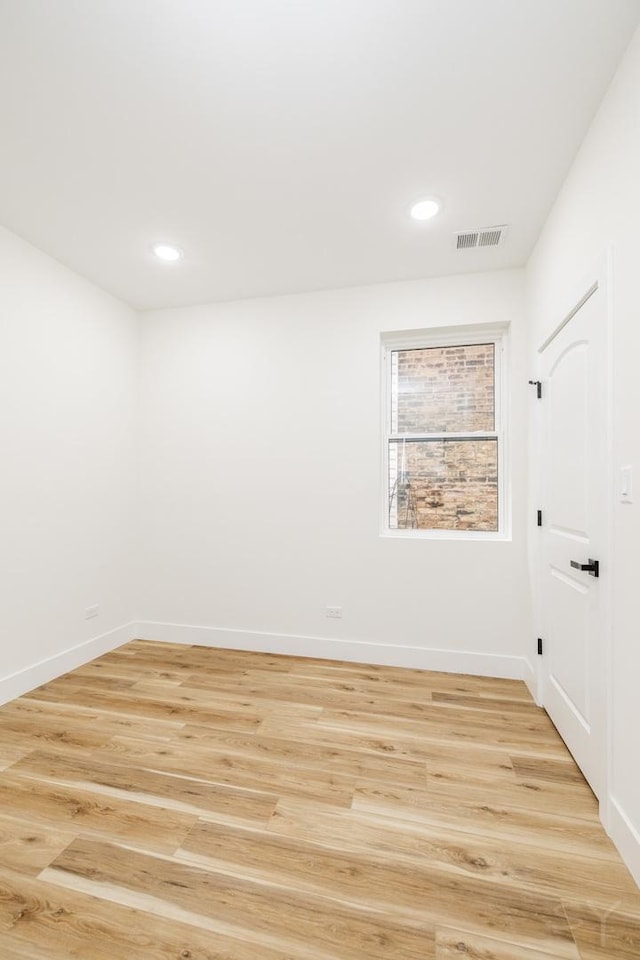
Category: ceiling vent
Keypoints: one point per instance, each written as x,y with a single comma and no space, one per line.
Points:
486,237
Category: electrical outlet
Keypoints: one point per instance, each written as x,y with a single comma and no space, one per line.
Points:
334,613
91,612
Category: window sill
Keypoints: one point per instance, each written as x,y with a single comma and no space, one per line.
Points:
464,535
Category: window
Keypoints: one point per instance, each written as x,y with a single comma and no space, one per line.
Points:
444,447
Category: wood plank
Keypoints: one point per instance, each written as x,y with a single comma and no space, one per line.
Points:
10,753
404,676
180,793
263,912
379,883
248,773
543,740
565,833
51,922
389,744
554,771
236,697
103,682
604,932
29,847
486,703
336,759
337,696
508,861
100,724
452,944
528,794
85,811
18,727
158,708
197,659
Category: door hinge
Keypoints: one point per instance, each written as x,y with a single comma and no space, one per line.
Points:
538,385
540,646
539,518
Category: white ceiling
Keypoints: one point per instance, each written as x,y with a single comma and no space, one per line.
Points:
280,142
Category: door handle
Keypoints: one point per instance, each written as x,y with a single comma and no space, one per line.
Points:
592,567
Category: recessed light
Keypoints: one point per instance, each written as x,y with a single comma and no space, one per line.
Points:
425,209
167,252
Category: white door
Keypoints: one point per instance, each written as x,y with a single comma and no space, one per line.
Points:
574,534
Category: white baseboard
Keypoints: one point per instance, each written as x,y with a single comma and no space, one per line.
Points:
625,836
354,651
19,683
530,677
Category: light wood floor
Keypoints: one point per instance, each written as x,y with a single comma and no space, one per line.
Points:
182,803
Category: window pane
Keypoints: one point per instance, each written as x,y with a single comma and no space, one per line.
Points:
443,484
443,389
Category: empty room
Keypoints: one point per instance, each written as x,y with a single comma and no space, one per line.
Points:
319,416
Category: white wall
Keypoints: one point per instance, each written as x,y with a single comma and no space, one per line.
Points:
599,209
68,356
262,483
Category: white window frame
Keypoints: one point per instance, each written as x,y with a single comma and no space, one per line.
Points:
449,337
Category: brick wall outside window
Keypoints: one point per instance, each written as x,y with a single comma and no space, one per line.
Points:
443,484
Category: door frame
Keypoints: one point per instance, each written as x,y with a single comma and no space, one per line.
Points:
598,278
